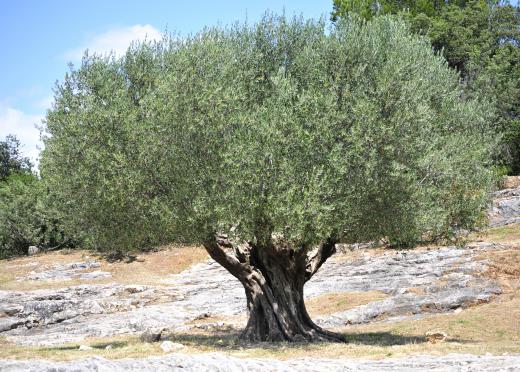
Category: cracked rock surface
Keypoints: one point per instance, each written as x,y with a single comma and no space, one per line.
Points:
69,271
219,362
506,207
417,282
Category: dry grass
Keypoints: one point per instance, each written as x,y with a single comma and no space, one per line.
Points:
348,255
504,264
509,235
336,302
504,268
122,347
510,182
156,265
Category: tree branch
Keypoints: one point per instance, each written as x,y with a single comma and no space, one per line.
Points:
215,248
317,257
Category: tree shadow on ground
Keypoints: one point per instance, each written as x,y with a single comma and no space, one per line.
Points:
382,339
230,340
112,344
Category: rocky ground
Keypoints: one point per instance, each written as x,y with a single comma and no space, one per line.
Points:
218,362
416,283
506,204
410,284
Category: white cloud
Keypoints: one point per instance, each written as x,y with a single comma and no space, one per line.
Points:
22,125
13,121
45,103
116,39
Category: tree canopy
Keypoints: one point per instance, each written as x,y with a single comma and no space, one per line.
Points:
362,132
281,135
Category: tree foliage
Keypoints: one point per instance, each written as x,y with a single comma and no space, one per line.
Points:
277,129
26,218
11,160
480,38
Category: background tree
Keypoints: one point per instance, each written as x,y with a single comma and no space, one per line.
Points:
11,160
268,144
25,216
479,38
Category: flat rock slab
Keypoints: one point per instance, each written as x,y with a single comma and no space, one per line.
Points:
52,317
506,208
219,362
416,282
76,270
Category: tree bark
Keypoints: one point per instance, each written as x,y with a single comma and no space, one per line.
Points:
273,277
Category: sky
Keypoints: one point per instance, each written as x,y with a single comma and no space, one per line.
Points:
39,38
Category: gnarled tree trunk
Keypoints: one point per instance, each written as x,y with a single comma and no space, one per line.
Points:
273,277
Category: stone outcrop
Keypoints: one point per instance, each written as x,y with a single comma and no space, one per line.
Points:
506,207
32,250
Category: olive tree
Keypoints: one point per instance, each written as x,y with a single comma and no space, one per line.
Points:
268,144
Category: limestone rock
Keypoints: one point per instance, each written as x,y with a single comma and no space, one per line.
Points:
168,346
96,275
9,323
221,362
67,272
33,250
506,207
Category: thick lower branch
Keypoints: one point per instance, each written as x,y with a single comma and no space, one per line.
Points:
318,257
214,245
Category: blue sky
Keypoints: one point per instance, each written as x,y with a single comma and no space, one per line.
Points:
39,38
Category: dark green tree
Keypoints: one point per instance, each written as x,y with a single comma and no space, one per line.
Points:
479,38
11,160
268,144
26,217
